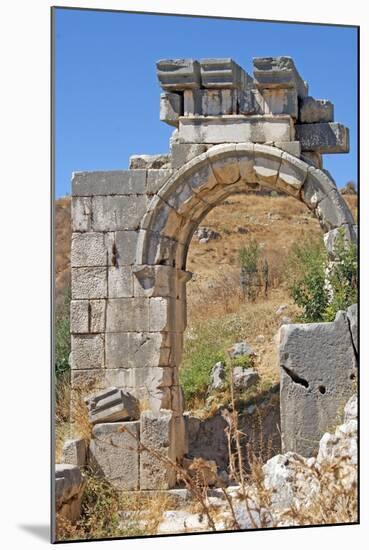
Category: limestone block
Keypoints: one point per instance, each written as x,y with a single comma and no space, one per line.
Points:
224,164
292,174
114,182
323,137
81,213
69,486
352,316
79,316
210,102
97,315
315,110
178,74
291,147
136,349
146,162
114,213
279,101
110,405
184,152
157,433
162,314
243,379
267,163
156,179
88,249
235,129
349,234
317,186
246,161
127,315
333,211
250,102
171,107
312,158
75,452
278,72
157,280
318,371
156,249
223,73
114,453
89,282
124,244
120,282
87,351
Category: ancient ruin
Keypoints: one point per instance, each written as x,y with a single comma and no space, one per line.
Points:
131,233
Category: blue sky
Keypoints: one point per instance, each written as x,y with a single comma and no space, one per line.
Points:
107,94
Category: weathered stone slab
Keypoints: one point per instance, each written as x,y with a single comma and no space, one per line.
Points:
223,73
79,316
184,152
279,101
89,282
87,351
114,213
318,372
81,213
291,147
210,102
114,182
127,315
69,486
333,212
158,434
278,72
88,250
178,74
324,137
139,349
124,244
250,102
243,379
171,108
235,129
315,110
114,453
157,178
145,162
75,452
120,282
111,405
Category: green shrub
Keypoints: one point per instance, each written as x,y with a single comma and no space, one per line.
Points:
62,336
200,355
249,256
320,287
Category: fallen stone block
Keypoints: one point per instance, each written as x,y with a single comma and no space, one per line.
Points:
217,376
69,486
323,137
315,110
158,435
278,72
146,162
318,375
235,129
223,73
243,379
178,74
75,452
114,453
171,108
112,405
240,349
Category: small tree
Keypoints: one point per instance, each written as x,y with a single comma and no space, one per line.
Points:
249,256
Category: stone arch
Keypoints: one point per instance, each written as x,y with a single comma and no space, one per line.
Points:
201,184
185,199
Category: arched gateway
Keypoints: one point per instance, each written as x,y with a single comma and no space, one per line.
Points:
132,228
